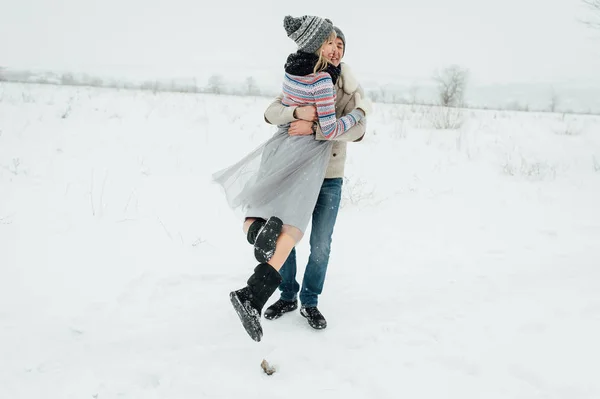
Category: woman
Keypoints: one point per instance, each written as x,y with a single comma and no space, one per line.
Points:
308,292
277,185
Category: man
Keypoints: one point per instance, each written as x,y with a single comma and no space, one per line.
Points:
303,122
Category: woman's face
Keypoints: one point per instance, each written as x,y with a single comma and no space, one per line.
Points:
328,49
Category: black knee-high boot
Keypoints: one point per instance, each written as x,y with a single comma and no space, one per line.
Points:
249,301
263,235
265,240
254,229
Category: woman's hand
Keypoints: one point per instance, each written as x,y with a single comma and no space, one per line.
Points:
308,113
301,128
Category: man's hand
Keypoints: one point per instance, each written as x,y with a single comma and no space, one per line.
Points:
308,113
301,128
364,104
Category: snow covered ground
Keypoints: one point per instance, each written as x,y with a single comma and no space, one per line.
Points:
465,262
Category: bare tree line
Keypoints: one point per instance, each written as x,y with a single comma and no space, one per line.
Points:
215,84
447,88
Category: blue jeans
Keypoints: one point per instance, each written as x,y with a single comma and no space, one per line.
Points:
323,221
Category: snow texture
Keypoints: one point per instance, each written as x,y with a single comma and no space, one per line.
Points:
464,263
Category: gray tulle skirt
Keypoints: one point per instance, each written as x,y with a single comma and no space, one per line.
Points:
282,177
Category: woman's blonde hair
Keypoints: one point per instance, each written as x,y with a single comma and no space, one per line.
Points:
322,62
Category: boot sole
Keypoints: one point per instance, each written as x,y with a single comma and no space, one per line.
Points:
266,240
251,325
278,315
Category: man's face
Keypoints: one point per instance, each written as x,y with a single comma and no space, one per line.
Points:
339,52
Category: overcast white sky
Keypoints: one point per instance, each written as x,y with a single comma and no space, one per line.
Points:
499,41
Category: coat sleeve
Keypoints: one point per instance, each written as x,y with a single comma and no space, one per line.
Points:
356,132
279,114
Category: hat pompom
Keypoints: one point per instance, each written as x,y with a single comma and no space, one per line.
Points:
291,24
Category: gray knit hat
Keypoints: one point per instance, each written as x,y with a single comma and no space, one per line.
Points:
309,32
340,34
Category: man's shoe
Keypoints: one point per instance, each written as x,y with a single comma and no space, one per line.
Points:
279,308
314,317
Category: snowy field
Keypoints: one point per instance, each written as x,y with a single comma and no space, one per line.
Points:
465,263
